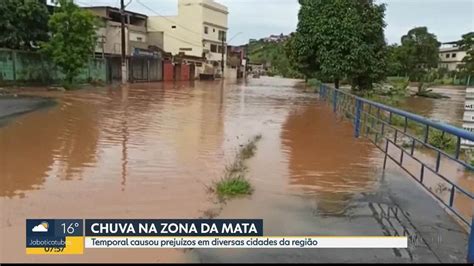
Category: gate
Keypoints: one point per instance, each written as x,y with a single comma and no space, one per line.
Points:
144,68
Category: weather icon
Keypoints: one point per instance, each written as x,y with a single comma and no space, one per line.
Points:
41,228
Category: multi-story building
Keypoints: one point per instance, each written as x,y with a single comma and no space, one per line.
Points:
143,62
109,33
451,55
199,30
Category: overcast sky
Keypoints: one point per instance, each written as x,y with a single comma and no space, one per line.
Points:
448,19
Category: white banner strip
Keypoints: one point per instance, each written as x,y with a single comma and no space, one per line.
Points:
246,242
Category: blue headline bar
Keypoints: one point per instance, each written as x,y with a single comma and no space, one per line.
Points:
172,228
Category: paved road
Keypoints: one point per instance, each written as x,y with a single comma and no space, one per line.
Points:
397,205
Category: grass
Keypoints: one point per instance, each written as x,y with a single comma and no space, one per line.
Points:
442,141
445,142
233,186
234,183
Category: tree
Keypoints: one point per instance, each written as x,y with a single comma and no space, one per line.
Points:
419,53
73,38
467,44
301,49
342,39
301,60
394,61
23,24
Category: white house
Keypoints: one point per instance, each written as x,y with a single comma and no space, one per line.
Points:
450,55
199,30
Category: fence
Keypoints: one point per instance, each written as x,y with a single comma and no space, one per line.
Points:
425,142
32,67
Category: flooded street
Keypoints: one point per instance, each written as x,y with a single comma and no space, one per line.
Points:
151,150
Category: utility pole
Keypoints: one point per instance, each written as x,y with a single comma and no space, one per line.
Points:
124,46
223,53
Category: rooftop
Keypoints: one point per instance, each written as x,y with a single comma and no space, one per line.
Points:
214,5
116,10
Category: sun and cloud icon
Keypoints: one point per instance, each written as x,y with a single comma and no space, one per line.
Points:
41,228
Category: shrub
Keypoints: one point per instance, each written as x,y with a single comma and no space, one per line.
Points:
442,141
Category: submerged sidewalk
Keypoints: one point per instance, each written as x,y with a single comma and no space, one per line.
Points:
11,106
397,207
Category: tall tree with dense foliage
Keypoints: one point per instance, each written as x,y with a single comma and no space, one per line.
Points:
301,60
467,44
23,24
342,39
419,53
395,59
302,46
73,38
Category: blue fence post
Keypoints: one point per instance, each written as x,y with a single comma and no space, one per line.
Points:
335,101
358,110
470,248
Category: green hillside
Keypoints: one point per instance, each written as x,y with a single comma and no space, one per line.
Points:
272,54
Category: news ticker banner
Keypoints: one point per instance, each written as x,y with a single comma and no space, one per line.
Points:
73,236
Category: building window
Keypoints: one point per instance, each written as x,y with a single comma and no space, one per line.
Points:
448,55
214,48
206,30
220,49
222,35
453,55
213,30
173,27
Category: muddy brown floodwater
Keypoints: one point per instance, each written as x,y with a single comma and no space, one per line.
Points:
449,111
150,150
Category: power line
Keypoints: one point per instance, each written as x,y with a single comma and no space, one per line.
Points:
177,38
170,20
167,18
200,45
174,22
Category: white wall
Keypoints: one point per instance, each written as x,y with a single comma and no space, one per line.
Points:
193,16
177,37
451,63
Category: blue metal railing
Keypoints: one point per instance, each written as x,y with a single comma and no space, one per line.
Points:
378,120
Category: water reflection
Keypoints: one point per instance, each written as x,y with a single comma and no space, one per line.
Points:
54,141
132,152
325,160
